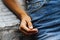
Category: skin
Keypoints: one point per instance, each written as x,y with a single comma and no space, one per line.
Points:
26,26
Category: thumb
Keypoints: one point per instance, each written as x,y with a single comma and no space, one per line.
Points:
30,25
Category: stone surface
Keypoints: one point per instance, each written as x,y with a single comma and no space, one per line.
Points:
10,34
7,18
9,24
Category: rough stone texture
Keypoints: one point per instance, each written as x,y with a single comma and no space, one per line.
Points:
9,24
10,33
7,18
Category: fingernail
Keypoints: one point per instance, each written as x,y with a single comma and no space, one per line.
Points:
31,27
35,29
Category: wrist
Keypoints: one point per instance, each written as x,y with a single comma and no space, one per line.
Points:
23,16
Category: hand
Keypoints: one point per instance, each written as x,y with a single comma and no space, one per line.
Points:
26,26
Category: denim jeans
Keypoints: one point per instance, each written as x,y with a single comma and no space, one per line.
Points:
46,17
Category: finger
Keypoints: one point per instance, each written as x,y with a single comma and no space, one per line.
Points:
25,32
25,28
22,30
30,25
33,30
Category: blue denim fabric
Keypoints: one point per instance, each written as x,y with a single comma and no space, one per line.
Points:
46,19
